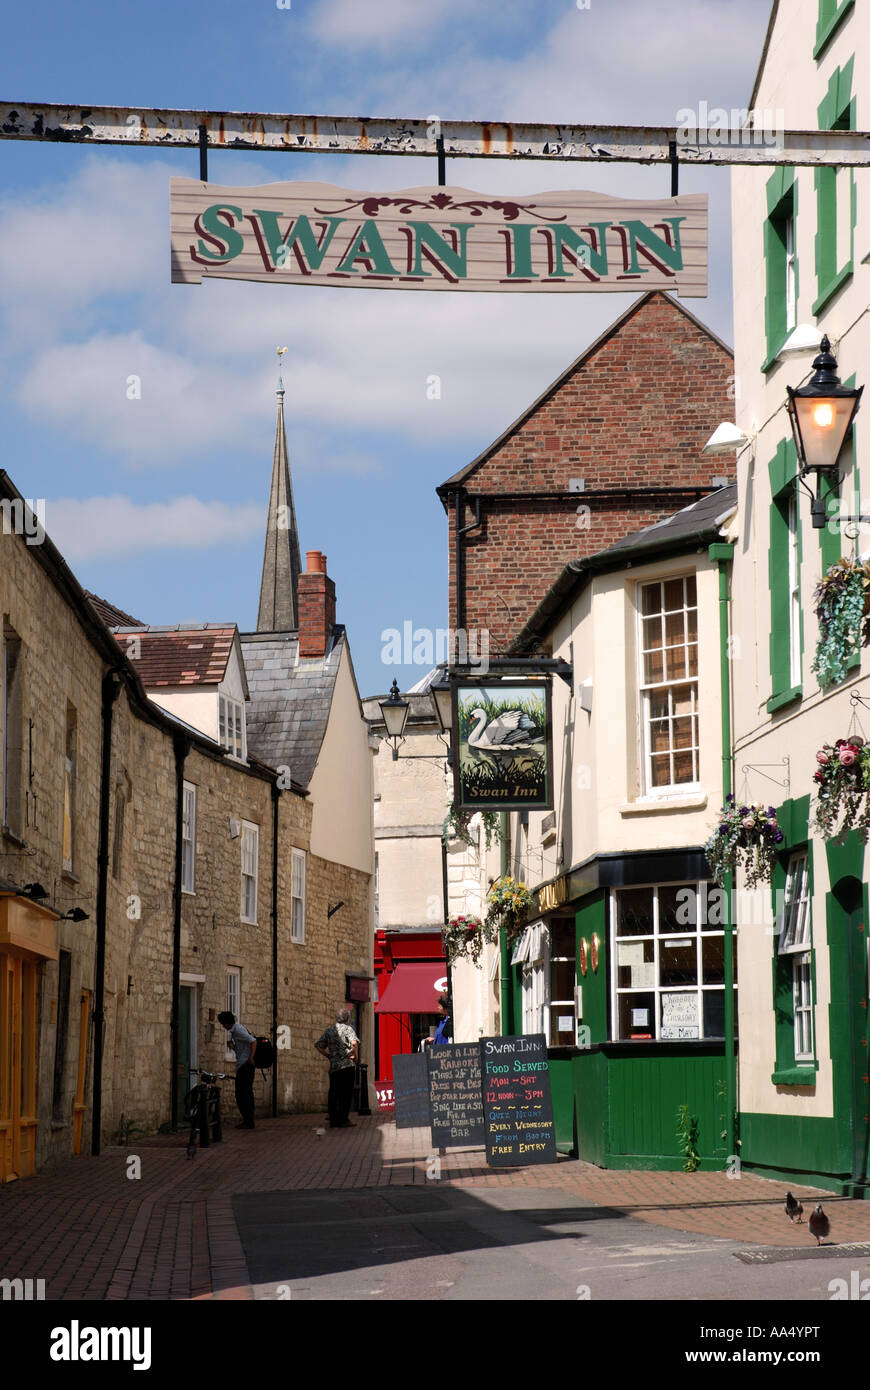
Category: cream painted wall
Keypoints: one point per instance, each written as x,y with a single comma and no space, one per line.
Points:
596,756
795,83
341,787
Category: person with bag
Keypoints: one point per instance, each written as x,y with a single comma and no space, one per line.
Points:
244,1044
340,1044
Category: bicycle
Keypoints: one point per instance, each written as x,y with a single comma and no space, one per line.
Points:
202,1108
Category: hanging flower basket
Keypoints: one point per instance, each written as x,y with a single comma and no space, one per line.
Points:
746,837
466,936
510,904
842,606
843,780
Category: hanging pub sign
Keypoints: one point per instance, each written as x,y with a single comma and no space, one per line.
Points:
503,746
437,239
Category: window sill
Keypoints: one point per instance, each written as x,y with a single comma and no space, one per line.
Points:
69,877
785,697
10,834
653,806
824,35
830,289
796,1076
772,359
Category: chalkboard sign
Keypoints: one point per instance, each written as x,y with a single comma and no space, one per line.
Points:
517,1104
411,1090
455,1097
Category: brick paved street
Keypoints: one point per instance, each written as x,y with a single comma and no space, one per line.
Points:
93,1233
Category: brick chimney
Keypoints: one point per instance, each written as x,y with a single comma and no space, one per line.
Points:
316,602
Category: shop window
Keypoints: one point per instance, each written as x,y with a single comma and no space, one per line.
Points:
835,195
669,951
250,847
12,730
297,896
780,261
793,976
188,838
61,1032
668,665
547,955
784,560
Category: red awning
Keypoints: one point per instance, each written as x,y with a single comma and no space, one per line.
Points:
414,988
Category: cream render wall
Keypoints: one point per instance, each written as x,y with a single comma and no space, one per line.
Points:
600,808
341,787
794,83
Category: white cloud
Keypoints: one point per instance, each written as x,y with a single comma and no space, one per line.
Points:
384,24
96,527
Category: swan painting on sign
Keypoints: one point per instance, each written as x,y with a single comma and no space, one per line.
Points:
503,748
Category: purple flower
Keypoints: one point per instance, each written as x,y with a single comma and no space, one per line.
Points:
778,836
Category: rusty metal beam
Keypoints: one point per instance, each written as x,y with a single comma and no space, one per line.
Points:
238,130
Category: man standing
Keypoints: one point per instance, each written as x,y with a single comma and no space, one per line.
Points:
244,1044
444,1031
340,1045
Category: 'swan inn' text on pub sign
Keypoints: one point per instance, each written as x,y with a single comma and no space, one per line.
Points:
437,239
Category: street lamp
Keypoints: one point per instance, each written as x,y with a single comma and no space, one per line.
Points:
442,701
821,413
394,711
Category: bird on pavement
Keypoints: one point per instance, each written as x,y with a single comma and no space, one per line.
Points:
793,1208
820,1226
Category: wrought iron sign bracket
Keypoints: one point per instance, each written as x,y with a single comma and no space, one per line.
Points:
517,666
758,767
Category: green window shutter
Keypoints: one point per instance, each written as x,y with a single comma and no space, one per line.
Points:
782,469
781,195
831,15
836,112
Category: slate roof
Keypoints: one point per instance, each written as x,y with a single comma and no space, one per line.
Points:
173,656
112,616
688,523
291,698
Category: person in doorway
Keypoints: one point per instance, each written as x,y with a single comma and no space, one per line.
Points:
444,1031
340,1044
244,1044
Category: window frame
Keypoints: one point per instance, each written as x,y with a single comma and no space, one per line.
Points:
298,858
646,690
794,996
250,832
234,1002
699,929
785,560
835,194
188,841
781,262
232,731
12,714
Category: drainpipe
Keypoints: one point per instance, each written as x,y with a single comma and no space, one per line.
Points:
459,556
722,554
505,980
111,688
181,747
275,798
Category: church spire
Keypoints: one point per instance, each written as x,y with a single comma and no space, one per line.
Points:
282,563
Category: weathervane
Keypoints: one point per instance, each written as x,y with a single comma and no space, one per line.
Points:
280,352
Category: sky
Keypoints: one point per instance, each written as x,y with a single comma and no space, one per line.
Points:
158,503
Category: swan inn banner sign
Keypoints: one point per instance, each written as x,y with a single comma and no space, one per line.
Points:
437,239
503,758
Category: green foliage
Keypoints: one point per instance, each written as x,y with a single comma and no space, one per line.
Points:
843,779
687,1139
841,603
534,708
747,836
455,826
128,1130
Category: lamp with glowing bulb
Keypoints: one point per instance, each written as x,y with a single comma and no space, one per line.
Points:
821,413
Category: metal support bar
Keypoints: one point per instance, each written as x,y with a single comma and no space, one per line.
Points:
756,767
519,666
675,168
442,162
248,130
203,154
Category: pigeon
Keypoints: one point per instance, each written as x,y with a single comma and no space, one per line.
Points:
320,1131
793,1208
820,1226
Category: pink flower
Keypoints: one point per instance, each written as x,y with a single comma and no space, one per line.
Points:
748,822
822,758
847,756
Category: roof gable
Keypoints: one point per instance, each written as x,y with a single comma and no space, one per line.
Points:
685,326
179,656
